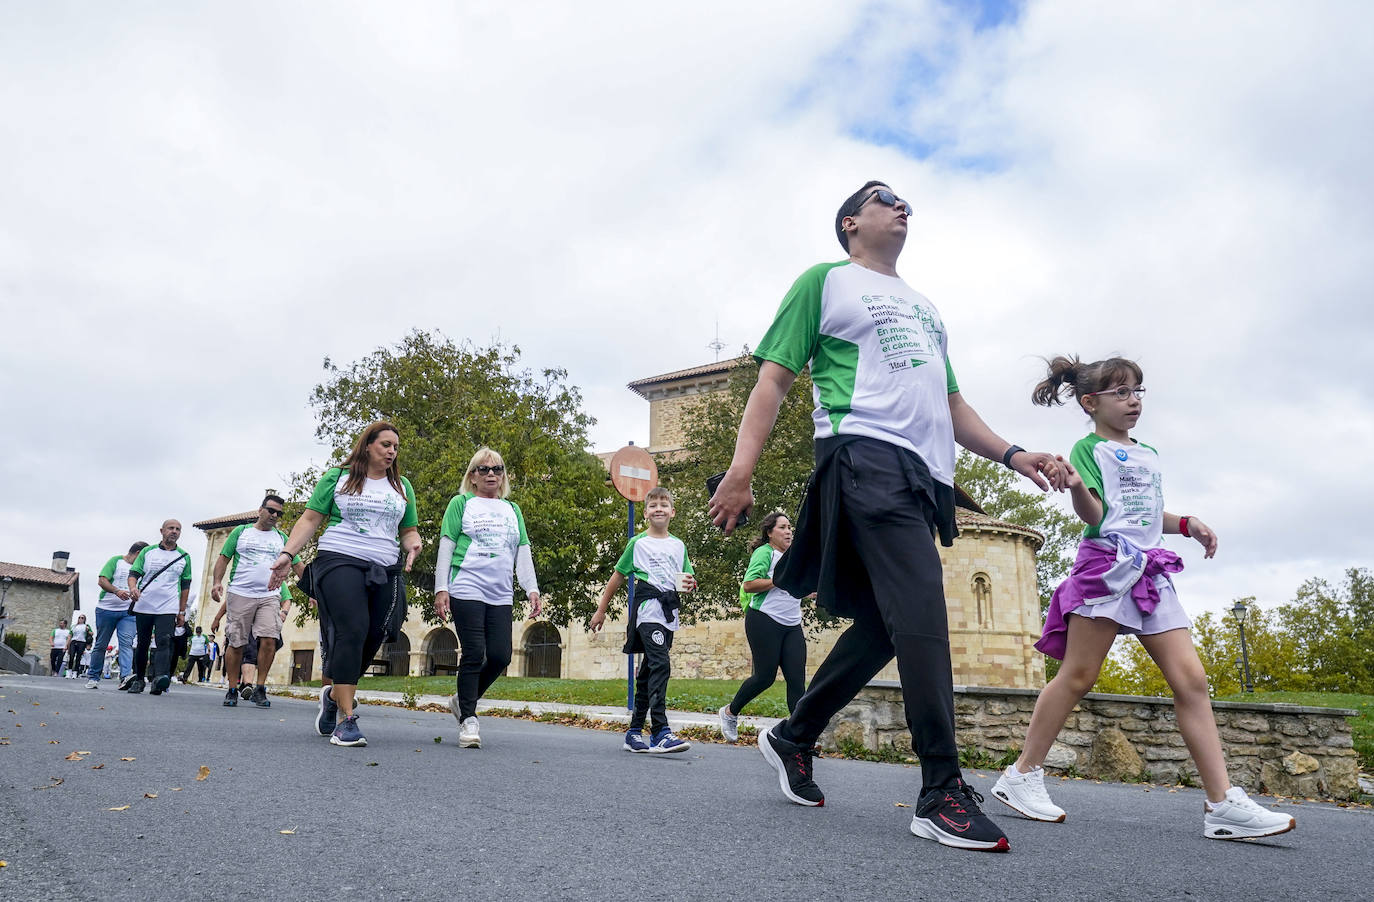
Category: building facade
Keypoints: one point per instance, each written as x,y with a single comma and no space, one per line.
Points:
35,598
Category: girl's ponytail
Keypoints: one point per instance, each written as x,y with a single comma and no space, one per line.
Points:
1063,371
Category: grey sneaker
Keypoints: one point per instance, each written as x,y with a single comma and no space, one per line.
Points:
729,724
469,736
347,732
328,717
93,684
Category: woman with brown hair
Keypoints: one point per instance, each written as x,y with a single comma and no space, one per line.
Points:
356,575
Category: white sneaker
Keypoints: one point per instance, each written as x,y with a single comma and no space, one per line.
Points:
1237,817
469,737
1026,794
729,724
92,684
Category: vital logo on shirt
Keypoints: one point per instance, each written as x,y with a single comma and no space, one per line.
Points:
908,333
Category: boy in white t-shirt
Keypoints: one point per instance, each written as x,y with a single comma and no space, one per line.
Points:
659,564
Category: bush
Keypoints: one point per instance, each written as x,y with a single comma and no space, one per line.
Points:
17,641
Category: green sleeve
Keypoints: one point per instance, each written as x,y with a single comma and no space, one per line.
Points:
231,544
793,338
1085,462
626,565
322,499
411,516
687,562
520,522
137,568
759,562
452,526
296,559
951,384
285,593
108,571
185,571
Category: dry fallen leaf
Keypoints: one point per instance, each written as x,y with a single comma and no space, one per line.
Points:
35,704
83,753
53,741
42,724
176,789
128,759
902,805
288,832
74,756
150,795
96,766
120,808
203,772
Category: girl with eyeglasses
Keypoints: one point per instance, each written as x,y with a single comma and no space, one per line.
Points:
371,538
482,540
1120,584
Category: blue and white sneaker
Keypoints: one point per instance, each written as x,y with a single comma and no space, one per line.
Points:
634,742
666,741
347,732
328,717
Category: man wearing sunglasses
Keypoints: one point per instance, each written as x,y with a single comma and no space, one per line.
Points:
255,612
888,412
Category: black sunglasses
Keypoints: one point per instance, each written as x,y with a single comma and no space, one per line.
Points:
884,197
498,469
273,513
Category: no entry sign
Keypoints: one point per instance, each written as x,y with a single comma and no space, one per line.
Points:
633,472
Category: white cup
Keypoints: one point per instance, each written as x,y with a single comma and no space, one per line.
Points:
681,581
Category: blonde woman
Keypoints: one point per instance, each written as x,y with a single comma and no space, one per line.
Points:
483,539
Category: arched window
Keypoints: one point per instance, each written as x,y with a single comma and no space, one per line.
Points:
441,647
396,655
543,651
982,598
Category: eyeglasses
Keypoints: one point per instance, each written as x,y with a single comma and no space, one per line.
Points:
1121,392
271,512
884,197
498,469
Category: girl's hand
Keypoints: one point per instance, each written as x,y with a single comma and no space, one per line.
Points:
441,605
1071,478
1040,468
1204,535
536,606
598,619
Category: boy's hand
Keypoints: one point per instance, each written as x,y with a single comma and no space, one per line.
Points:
689,583
598,619
1204,535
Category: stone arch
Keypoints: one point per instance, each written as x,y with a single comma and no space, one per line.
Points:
543,649
397,655
982,598
441,651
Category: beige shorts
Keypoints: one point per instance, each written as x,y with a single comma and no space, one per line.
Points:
258,617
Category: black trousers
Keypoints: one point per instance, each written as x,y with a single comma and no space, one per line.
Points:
148,625
651,680
354,615
200,662
890,530
772,646
55,658
484,634
74,656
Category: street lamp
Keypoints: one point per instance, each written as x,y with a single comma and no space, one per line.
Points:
4,590
1240,610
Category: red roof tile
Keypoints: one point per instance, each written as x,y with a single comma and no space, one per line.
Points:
226,520
43,575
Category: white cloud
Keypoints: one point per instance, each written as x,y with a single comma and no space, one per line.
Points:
203,203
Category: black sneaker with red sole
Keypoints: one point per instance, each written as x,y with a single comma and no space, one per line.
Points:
793,764
950,815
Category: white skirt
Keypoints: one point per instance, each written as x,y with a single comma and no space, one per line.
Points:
1167,615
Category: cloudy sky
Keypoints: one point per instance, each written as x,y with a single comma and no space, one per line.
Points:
199,202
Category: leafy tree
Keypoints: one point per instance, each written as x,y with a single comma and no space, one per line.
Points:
447,399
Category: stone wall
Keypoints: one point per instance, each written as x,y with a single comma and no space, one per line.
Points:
34,609
1287,750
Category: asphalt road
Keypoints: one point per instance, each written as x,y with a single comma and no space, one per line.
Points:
551,812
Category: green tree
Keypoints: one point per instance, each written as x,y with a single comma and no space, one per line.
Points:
447,399
1331,633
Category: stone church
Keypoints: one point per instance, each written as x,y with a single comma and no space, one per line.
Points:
989,575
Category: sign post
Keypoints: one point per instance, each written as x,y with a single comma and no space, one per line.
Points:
633,473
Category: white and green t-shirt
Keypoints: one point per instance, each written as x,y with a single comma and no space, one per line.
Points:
365,525
60,637
776,603
252,552
160,595
488,536
657,562
1130,483
81,632
197,645
879,359
116,570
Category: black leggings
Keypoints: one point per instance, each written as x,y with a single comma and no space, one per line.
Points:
162,661
484,632
354,616
773,645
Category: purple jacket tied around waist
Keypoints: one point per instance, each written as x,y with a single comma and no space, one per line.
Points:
1105,569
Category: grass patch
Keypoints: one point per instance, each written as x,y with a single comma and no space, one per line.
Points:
703,696
1362,727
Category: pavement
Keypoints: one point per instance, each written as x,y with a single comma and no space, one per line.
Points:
553,812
